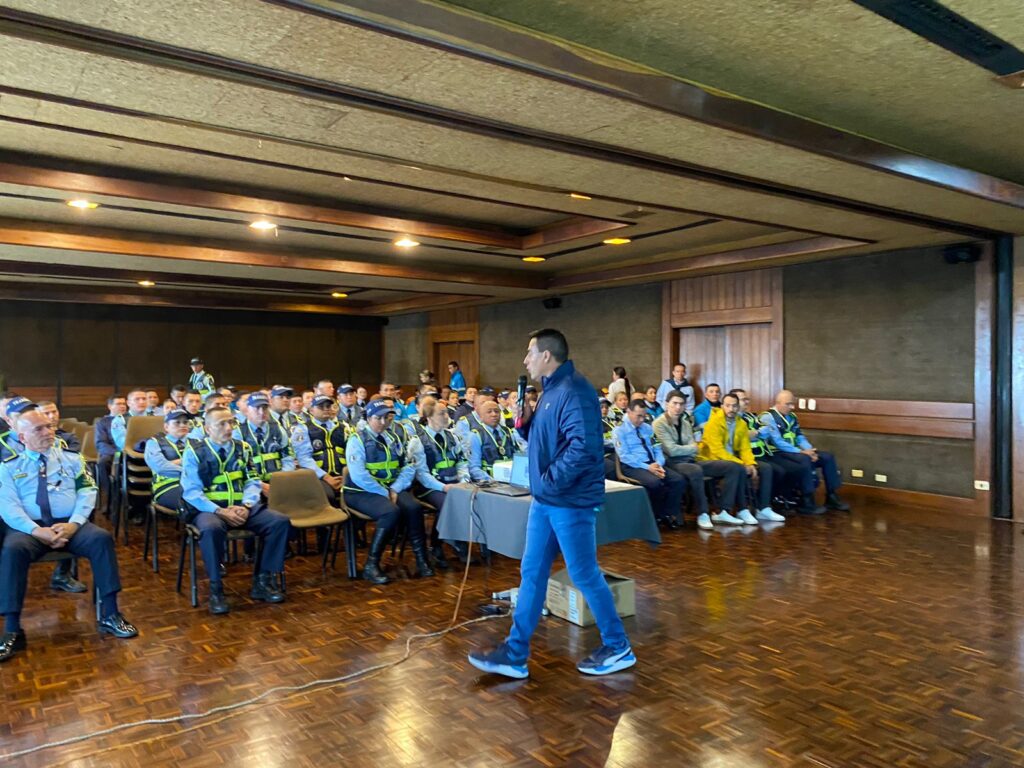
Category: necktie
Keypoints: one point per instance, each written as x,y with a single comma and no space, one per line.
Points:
647,450
259,435
42,496
223,455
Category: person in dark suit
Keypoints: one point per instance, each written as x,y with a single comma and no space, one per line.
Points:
107,447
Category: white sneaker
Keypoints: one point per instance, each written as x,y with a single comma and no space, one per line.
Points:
725,517
746,518
769,515
704,521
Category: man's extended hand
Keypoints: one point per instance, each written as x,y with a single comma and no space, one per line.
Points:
393,496
49,537
235,516
334,481
65,531
657,470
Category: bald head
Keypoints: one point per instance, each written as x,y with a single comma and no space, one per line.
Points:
785,402
35,431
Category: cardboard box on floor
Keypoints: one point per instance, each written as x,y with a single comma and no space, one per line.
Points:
566,601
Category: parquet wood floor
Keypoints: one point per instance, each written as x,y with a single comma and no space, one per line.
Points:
882,638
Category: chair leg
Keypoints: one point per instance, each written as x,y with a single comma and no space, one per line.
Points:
334,547
96,600
350,548
257,560
192,570
181,559
74,567
327,538
156,542
146,530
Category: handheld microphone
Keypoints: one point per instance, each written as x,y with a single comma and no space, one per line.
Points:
520,400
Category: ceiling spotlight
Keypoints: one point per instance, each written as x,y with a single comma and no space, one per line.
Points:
82,204
534,259
146,283
262,225
338,295
616,241
406,242
579,196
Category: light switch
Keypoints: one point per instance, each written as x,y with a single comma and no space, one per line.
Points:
812,404
801,403
856,473
881,478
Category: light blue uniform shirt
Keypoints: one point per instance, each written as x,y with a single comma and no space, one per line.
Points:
158,463
418,458
355,456
774,436
71,489
192,486
118,431
630,442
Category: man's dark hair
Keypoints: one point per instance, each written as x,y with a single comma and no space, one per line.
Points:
386,383
732,395
712,384
179,388
737,391
636,403
325,381
550,340
112,398
193,392
675,394
453,363
679,363
216,409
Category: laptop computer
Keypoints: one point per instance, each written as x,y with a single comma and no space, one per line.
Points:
519,481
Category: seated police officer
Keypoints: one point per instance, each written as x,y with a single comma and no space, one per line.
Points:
154,405
296,411
109,430
440,464
163,457
220,485
794,452
67,440
642,460
608,428
620,404
46,497
490,441
320,445
379,478
348,409
280,399
192,402
271,449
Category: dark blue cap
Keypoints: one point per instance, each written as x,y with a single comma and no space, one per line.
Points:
321,400
486,390
177,413
18,405
531,388
344,389
257,399
378,408
282,392
196,361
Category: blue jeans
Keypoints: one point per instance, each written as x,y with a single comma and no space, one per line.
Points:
548,530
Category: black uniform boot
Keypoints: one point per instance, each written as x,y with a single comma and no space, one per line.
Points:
218,603
372,571
419,549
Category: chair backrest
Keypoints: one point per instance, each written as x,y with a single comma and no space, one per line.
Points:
621,477
80,429
68,425
297,494
89,444
143,428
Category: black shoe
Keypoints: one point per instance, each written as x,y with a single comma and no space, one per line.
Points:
437,553
674,524
832,501
218,603
117,625
222,570
423,568
373,573
11,643
810,509
266,590
65,582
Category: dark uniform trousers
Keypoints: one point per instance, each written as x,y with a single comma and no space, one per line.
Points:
385,514
762,495
694,476
171,498
436,500
20,550
333,496
666,494
732,476
104,466
269,525
801,467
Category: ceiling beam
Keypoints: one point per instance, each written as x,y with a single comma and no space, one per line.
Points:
453,30
132,243
743,258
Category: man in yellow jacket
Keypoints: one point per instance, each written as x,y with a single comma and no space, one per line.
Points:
726,438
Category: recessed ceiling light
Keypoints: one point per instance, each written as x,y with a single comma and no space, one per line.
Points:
262,225
616,241
534,259
346,178
406,242
146,283
579,196
82,204
338,295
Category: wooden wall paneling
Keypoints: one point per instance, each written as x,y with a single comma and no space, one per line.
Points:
461,326
888,425
921,409
145,359
290,361
88,356
27,344
669,342
1017,373
748,362
703,350
777,333
984,320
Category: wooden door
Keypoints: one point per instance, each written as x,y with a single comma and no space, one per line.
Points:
462,351
732,356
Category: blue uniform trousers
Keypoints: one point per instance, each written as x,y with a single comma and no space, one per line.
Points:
548,530
801,466
386,514
20,550
269,525
666,494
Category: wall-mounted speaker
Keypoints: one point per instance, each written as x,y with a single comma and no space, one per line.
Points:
552,302
962,254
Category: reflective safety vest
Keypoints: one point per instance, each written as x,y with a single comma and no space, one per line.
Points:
495,446
290,420
609,443
616,415
328,447
508,418
268,455
224,481
385,457
788,427
201,382
443,453
9,445
758,446
171,452
399,433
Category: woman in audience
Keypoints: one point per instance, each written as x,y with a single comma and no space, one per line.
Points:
620,383
654,409
618,410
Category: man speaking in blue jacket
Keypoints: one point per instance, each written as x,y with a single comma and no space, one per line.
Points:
566,446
